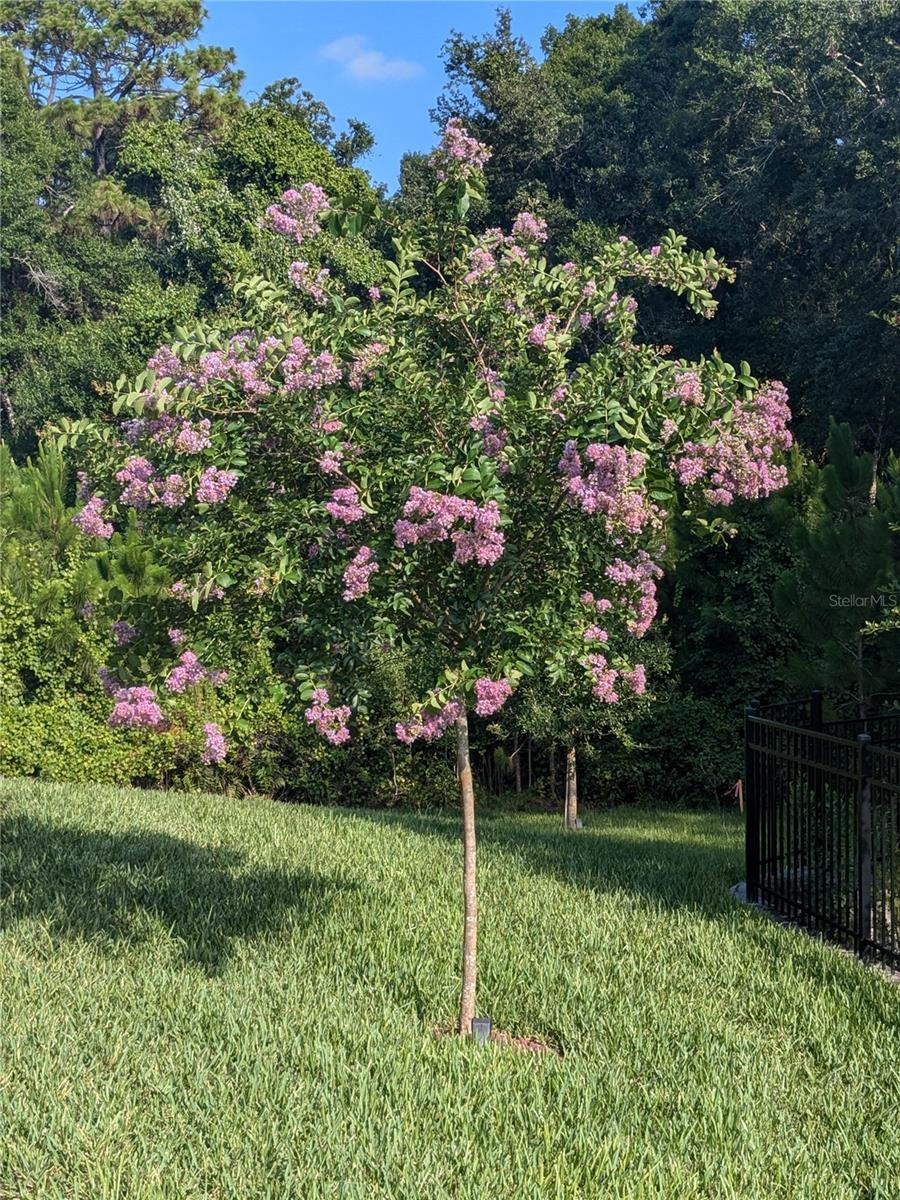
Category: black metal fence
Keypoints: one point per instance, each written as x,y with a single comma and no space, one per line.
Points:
823,822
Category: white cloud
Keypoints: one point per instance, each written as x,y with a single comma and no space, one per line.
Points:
366,65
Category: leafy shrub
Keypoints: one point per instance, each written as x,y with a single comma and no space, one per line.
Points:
62,740
687,750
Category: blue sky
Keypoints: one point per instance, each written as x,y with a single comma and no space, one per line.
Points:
378,60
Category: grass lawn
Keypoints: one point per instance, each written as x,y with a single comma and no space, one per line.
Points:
207,997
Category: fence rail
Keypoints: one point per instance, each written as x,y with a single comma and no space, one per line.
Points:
823,824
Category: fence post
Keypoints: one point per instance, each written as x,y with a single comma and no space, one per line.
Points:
815,709
864,845
751,809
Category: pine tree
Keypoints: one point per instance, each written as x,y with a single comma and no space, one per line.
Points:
846,582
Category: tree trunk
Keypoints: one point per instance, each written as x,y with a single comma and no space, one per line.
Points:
517,759
552,772
571,809
470,894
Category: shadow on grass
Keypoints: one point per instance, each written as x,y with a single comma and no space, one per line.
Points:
98,886
671,872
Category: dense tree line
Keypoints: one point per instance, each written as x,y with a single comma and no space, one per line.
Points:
766,128
134,172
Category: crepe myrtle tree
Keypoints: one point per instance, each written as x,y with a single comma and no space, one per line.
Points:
474,462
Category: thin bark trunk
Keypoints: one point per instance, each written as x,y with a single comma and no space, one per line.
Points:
571,810
552,773
529,764
517,758
470,894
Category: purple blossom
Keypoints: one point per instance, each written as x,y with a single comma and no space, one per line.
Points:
135,708
603,679
537,336
428,726
298,214
636,679
216,747
191,439
191,671
357,573
741,460
136,476
302,277
174,492
458,151
491,695
304,372
215,485
430,516
176,636
529,227
90,519
330,722
344,505
688,388
365,364
608,486
108,681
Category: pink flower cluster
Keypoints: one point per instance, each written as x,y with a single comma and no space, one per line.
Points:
215,485
491,695
143,487
494,383
529,228
482,263
176,636
365,364
299,214
357,573
330,722
688,388
459,150
604,679
191,439
428,726
216,747
429,517
344,505
637,582
243,361
483,260
741,461
191,671
537,336
90,519
330,462
636,679
313,284
168,430
304,372
607,486
135,708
